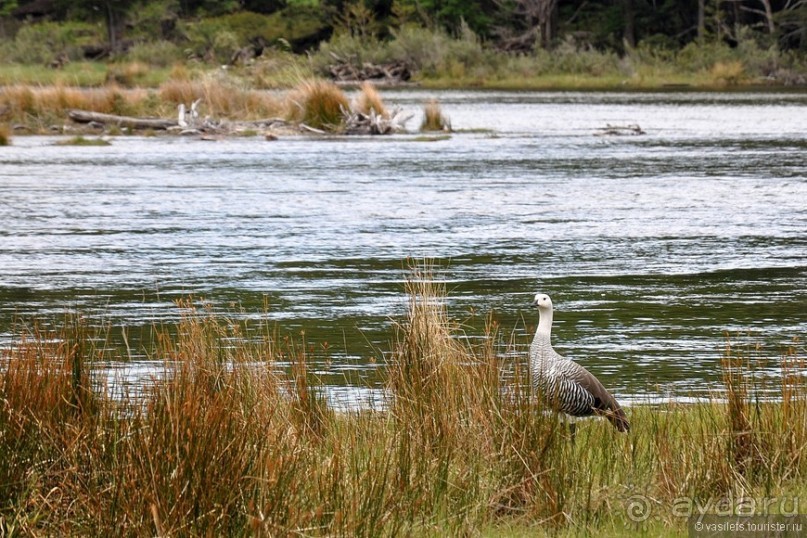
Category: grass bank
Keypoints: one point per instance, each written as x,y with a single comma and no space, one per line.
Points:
226,107
436,59
229,443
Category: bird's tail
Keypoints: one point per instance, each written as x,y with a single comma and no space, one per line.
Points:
618,418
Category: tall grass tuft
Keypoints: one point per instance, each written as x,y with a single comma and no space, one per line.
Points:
234,437
369,100
5,134
319,104
433,118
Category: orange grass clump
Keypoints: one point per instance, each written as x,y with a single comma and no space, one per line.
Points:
433,118
319,104
369,99
222,99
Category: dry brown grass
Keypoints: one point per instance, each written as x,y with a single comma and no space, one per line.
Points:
221,99
730,73
369,99
433,118
319,104
228,443
42,105
127,74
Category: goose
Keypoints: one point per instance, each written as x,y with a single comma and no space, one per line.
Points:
565,386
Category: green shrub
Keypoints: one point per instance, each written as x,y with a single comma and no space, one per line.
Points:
47,42
702,56
157,53
154,19
351,49
568,57
217,38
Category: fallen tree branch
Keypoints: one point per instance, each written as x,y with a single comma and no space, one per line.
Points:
85,116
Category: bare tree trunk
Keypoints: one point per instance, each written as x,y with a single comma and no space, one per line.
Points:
630,30
545,12
701,20
111,27
769,15
539,14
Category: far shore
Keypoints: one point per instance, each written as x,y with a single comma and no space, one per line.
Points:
229,106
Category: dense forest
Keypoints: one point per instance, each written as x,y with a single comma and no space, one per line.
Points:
515,25
457,43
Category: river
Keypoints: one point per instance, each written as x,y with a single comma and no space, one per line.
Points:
655,247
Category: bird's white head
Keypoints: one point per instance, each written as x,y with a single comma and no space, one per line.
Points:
542,302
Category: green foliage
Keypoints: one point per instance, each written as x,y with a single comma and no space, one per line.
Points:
428,52
7,7
451,14
157,53
47,42
154,20
446,42
217,38
568,57
209,40
208,7
264,6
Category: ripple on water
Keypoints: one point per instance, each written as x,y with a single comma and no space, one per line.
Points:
656,248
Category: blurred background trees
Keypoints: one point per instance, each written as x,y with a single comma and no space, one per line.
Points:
216,30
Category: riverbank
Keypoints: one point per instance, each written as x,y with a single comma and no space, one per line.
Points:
229,106
214,105
236,439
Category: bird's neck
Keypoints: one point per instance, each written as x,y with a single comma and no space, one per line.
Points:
543,333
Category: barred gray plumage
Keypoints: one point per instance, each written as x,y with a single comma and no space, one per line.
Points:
564,385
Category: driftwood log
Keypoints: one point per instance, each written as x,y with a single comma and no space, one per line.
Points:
85,116
190,124
375,124
184,124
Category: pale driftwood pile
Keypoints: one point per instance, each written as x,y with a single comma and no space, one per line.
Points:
188,122
184,124
387,74
375,124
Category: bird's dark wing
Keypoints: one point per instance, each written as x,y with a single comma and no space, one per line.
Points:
604,402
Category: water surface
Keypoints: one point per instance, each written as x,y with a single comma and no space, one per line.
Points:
654,248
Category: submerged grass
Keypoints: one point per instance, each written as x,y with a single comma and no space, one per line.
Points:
81,141
228,443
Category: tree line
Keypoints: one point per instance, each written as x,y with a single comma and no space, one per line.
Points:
516,25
